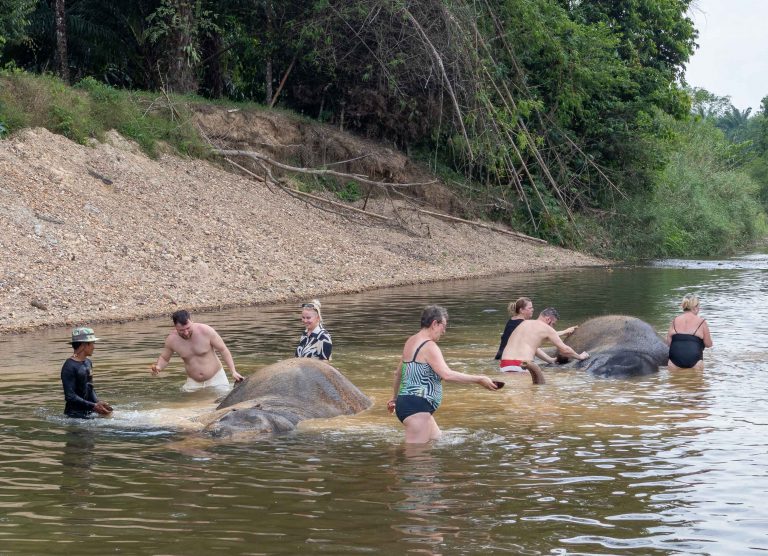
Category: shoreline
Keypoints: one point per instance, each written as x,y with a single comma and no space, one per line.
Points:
139,316
101,233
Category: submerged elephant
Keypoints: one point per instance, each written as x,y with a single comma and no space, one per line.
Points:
277,397
618,346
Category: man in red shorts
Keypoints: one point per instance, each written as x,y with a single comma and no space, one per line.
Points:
528,337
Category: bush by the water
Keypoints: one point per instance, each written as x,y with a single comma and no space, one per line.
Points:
702,203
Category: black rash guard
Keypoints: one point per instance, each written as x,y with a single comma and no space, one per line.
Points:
77,380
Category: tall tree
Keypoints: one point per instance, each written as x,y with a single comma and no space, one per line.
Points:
734,123
62,60
177,26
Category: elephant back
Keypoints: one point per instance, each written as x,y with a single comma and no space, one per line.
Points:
619,333
311,386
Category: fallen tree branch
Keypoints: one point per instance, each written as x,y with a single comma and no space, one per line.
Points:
309,195
346,207
480,225
317,172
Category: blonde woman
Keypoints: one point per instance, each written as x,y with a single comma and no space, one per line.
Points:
687,336
316,341
518,310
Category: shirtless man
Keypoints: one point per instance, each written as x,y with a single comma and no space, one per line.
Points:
528,337
196,344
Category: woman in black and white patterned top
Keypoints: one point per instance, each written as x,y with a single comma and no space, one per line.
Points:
315,342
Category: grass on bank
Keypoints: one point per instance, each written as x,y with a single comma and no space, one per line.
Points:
90,109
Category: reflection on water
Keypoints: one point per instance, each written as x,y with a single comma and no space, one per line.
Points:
668,464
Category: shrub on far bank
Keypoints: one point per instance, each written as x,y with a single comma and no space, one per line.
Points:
701,203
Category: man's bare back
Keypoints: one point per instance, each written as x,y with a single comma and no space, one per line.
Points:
196,344
528,337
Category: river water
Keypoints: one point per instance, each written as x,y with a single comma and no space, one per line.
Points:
675,463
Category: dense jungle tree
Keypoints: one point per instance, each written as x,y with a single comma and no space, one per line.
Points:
13,19
546,106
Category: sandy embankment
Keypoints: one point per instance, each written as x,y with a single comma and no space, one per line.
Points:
173,233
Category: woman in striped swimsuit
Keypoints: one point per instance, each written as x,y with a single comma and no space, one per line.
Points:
418,388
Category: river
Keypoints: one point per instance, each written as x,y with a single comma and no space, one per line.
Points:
674,463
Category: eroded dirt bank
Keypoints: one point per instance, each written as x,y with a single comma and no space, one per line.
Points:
103,233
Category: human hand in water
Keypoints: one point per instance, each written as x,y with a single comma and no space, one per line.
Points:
237,376
583,355
154,369
102,408
487,383
391,406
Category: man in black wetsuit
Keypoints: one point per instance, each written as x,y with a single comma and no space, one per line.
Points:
77,378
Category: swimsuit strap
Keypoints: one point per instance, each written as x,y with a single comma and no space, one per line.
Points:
421,345
692,333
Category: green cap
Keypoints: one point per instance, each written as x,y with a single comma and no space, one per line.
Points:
84,335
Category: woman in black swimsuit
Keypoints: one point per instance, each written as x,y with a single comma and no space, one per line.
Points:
687,336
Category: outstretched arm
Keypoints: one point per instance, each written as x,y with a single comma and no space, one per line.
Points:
565,349
541,354
163,360
435,359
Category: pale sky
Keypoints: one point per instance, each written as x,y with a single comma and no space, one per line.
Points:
732,58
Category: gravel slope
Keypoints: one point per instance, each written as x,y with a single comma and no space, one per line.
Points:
103,233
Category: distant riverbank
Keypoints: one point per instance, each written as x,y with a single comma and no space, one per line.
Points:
103,233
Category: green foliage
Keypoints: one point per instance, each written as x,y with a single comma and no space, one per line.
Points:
91,108
349,192
708,105
45,101
14,17
700,206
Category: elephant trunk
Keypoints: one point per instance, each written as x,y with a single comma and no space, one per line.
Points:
536,373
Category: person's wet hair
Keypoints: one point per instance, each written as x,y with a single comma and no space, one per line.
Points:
690,302
433,313
515,307
550,312
76,345
180,317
